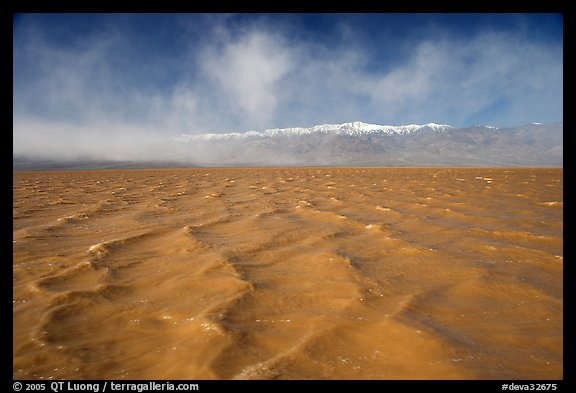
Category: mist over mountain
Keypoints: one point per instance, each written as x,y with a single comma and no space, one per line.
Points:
363,144
348,144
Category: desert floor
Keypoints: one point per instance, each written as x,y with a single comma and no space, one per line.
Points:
309,273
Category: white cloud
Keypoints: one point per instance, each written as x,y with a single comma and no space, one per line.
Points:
78,99
409,83
63,140
247,72
460,78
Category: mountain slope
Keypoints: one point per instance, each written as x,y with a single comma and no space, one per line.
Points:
347,144
370,144
347,129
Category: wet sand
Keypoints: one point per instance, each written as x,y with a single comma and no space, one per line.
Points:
384,273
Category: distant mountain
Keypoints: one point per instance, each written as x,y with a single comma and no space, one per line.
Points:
364,144
356,128
348,144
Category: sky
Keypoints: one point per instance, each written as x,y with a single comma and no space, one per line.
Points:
89,83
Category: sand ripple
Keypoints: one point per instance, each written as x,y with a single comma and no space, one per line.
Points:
288,274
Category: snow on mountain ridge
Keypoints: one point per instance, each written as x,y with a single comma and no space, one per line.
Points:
353,128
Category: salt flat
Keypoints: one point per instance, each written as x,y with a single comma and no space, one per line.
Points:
318,273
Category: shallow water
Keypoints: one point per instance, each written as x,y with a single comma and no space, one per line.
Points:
389,273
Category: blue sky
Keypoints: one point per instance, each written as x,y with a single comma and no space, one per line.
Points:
79,78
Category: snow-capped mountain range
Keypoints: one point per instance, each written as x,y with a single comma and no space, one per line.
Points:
348,144
359,143
350,129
